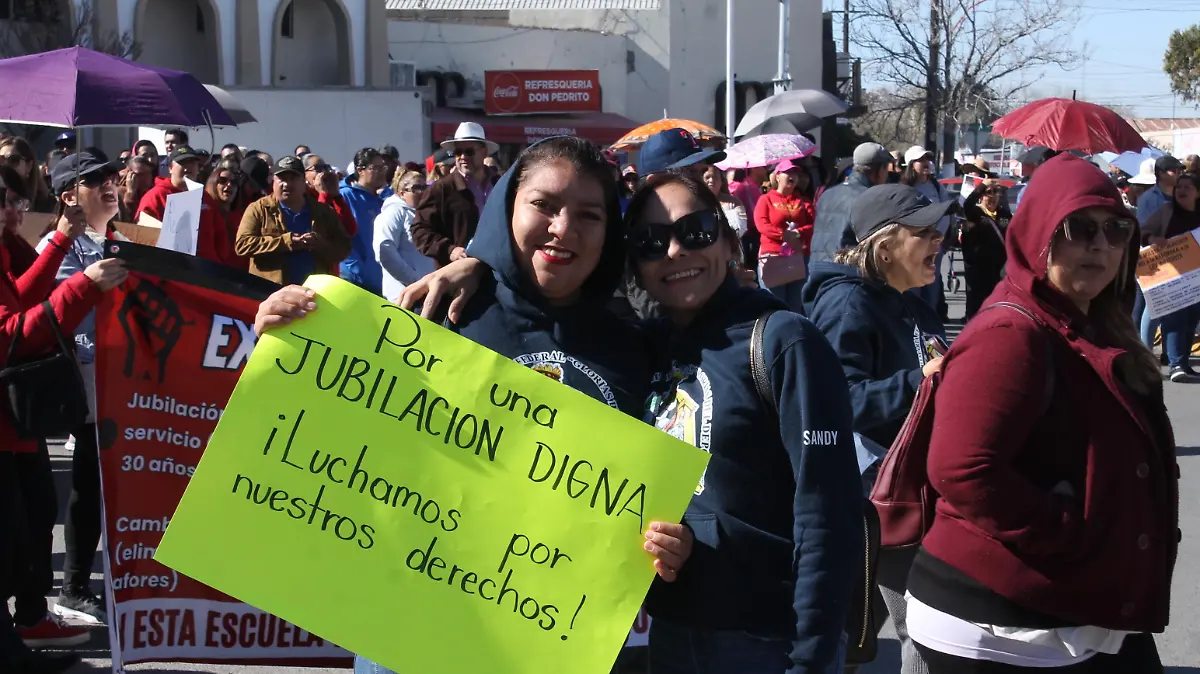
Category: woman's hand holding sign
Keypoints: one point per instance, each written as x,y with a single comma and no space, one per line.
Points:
282,307
671,544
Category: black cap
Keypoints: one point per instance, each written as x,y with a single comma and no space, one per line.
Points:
390,151
258,171
289,163
882,205
1167,163
1036,155
62,176
184,153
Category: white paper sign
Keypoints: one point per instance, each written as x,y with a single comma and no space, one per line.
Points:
181,220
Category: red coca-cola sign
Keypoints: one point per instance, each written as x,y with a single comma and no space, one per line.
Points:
515,92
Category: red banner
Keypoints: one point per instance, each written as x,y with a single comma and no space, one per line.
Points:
514,92
170,345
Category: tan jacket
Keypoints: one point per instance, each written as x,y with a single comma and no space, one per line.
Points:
264,239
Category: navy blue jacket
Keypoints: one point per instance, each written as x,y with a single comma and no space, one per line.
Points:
831,229
582,345
880,336
777,516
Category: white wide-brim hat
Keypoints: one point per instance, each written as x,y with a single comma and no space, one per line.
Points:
470,132
1145,174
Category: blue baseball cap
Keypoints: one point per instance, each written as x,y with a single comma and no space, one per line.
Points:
673,149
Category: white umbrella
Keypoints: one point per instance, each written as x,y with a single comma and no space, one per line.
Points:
793,125
1131,162
237,112
800,101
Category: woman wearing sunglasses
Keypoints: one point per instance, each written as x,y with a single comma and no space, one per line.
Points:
986,220
220,216
401,261
777,516
1052,456
887,340
552,233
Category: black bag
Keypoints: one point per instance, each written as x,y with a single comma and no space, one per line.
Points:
46,394
861,631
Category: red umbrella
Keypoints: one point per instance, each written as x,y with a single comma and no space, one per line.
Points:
1063,124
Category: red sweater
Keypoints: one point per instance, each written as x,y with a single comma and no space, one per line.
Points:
154,202
1105,554
339,206
771,215
26,282
218,229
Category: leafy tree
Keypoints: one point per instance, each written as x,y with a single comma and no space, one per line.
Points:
1182,63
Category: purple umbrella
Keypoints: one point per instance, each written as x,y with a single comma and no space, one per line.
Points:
79,87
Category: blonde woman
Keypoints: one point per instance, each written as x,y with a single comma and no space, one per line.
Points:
887,340
401,261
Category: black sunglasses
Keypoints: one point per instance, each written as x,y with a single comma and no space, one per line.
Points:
13,160
464,152
320,168
1117,231
694,231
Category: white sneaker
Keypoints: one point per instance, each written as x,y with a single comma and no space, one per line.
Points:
69,445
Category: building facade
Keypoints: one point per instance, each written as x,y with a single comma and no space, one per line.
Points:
668,61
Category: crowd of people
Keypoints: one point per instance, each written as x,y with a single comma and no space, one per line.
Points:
780,319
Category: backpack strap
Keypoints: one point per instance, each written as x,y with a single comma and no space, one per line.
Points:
758,361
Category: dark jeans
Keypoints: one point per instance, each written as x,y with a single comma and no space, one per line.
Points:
82,529
1179,329
28,508
676,649
1138,655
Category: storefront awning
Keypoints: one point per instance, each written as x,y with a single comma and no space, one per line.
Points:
602,128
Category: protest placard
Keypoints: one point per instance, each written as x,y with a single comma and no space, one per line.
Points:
170,343
1169,274
370,464
181,219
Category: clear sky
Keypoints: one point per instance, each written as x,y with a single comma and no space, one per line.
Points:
1123,41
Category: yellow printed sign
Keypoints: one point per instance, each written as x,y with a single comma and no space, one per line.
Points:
424,502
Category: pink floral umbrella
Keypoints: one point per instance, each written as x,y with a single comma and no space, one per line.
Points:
766,150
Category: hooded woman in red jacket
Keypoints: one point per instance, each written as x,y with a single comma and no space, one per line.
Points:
1052,455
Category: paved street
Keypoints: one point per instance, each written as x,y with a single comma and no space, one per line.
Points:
1180,645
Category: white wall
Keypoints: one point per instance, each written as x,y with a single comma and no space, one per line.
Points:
334,123
315,56
471,50
168,36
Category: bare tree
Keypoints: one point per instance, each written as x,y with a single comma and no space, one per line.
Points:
969,56
45,25
894,120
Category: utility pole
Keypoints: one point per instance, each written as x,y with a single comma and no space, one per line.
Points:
931,75
846,28
730,122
